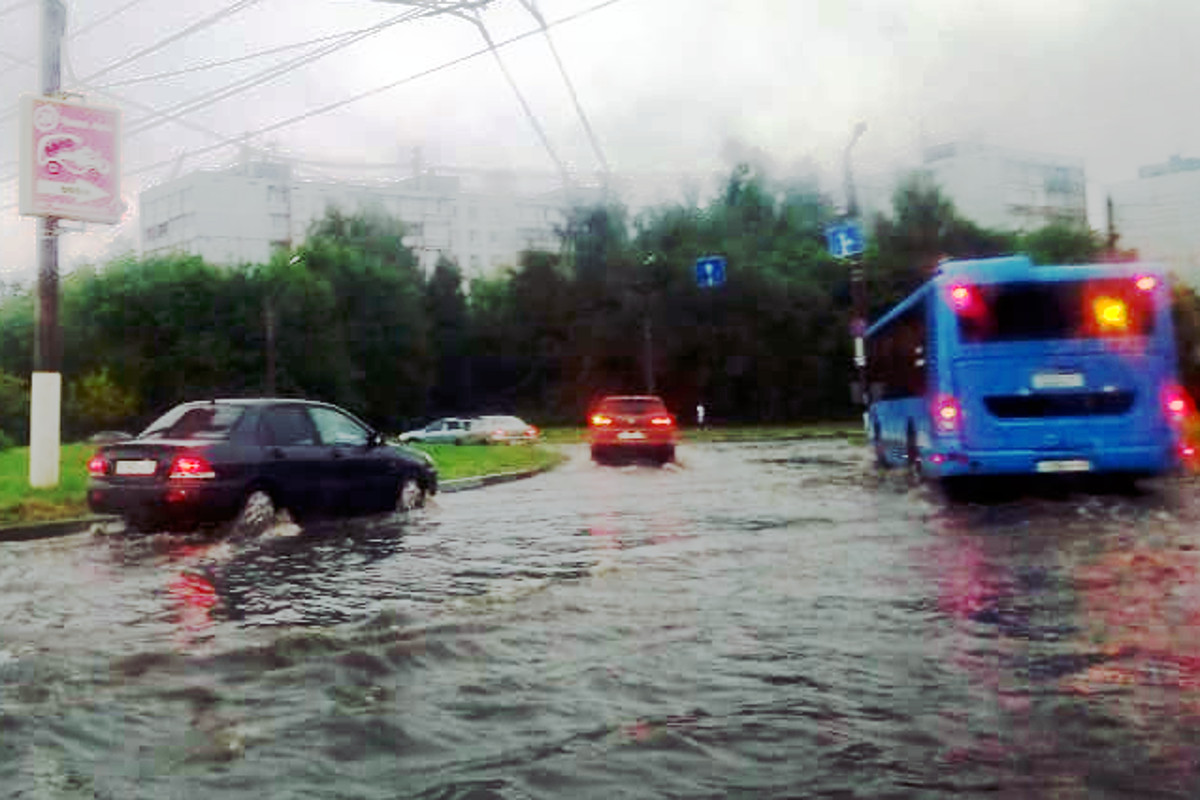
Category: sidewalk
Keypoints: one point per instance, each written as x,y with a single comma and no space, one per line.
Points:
65,527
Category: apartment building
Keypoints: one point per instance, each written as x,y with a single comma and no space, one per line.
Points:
1007,189
241,214
1156,215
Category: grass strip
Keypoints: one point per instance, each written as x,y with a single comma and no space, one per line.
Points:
20,504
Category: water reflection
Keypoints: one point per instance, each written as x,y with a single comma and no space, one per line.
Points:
1076,618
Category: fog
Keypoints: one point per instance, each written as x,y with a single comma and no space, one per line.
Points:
671,88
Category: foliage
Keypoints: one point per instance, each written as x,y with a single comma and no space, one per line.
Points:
1063,243
348,317
96,402
14,410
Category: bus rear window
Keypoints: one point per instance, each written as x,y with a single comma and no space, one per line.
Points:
1013,312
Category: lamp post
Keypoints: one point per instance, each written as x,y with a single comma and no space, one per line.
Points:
858,289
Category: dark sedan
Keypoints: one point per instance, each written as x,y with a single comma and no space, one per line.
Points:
241,461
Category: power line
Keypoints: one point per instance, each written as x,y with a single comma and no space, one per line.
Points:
532,7
212,19
226,62
377,90
284,123
533,120
263,76
288,122
104,18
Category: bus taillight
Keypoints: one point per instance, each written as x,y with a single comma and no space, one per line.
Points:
963,299
947,414
1176,404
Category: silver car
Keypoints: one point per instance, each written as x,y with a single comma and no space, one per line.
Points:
502,430
447,430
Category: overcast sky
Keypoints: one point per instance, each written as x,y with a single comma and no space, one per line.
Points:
668,85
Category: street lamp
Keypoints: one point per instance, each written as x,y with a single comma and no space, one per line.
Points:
851,199
858,288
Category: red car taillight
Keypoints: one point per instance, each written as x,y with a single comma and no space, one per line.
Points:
191,467
97,466
662,422
601,421
947,414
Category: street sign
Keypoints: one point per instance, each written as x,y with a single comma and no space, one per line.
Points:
70,160
845,239
710,271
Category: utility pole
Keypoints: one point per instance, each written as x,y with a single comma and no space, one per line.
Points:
45,420
858,287
646,289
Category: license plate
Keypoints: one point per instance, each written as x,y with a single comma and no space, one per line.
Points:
140,467
1065,465
631,435
1058,380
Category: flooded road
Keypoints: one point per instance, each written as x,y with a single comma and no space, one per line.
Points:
772,620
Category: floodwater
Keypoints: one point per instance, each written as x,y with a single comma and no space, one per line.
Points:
773,620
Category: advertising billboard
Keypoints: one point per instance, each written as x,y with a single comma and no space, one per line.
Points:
70,160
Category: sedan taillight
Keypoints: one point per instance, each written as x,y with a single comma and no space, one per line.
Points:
191,467
662,422
97,466
601,420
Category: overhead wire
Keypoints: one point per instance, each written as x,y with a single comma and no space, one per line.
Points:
199,25
529,115
177,113
242,139
161,76
259,78
289,121
210,20
95,23
532,7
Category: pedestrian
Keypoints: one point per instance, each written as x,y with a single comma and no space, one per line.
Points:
699,415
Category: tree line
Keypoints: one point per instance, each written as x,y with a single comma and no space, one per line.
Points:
350,318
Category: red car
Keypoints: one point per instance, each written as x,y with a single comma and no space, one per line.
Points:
632,425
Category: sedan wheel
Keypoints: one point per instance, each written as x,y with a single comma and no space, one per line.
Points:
258,511
409,496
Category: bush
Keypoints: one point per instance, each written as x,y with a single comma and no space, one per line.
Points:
95,402
14,410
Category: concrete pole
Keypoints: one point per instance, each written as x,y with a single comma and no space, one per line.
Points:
45,417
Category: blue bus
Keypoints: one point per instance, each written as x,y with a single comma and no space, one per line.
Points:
996,366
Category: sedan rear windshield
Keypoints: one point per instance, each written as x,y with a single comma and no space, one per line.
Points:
1012,312
633,405
195,422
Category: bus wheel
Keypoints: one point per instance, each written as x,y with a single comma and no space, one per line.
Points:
913,455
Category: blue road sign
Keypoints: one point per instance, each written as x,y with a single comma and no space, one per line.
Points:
710,271
845,239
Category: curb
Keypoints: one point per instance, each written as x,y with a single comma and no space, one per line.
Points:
65,527
48,530
479,481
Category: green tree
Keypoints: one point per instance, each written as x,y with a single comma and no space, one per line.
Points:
1063,243
446,308
96,402
14,410
379,318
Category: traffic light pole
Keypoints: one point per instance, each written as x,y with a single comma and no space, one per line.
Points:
45,419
